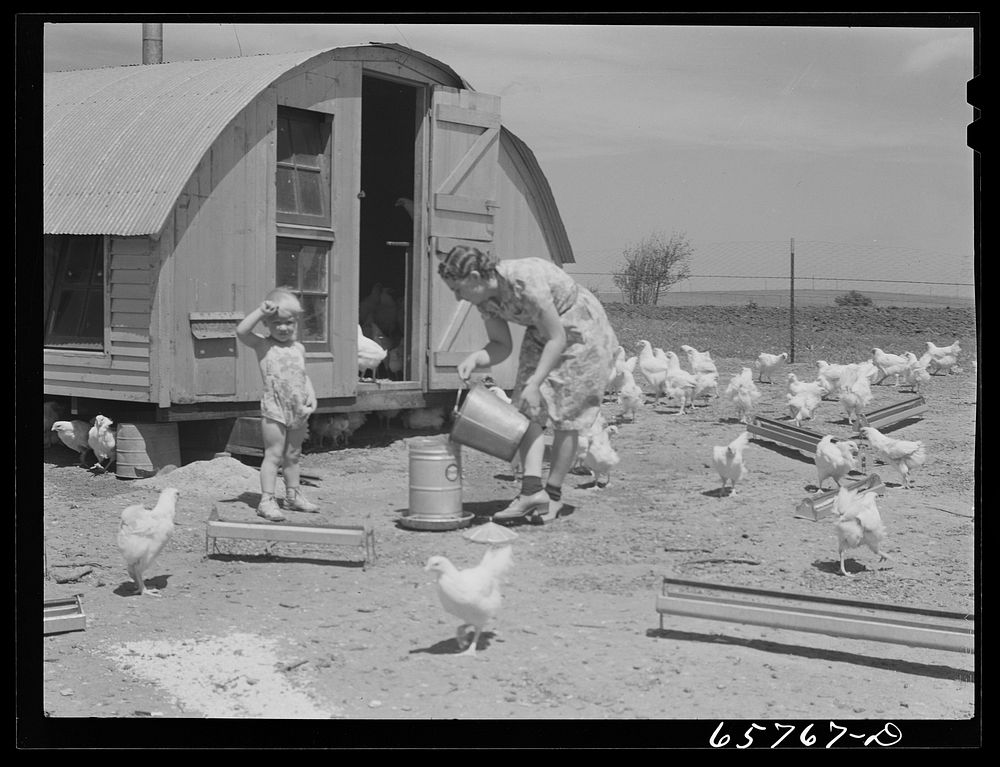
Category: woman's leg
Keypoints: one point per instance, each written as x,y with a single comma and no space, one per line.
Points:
564,447
532,496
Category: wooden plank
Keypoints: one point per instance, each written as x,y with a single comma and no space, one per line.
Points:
135,306
821,504
130,246
139,263
133,276
125,320
129,335
803,440
464,116
460,204
110,378
472,156
134,290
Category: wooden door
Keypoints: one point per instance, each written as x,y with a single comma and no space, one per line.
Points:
465,143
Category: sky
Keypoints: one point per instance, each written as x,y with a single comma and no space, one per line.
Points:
849,140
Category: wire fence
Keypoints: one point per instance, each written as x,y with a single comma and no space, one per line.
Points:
758,272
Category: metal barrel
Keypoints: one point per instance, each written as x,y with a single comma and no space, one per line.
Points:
488,424
435,478
142,449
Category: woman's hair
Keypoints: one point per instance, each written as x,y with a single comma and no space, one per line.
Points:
285,300
463,259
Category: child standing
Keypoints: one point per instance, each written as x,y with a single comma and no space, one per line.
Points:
287,401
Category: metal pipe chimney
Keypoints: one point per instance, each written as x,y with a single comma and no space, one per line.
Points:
152,43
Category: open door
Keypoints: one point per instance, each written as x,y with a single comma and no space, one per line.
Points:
465,144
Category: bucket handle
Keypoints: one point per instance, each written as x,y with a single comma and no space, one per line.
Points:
458,393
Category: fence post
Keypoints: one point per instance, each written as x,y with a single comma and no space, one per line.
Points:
791,306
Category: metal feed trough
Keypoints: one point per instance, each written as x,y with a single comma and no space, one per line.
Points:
895,624
59,615
893,414
821,504
336,535
787,434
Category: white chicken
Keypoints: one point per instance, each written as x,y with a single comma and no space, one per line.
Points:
616,378
144,532
855,393
828,374
906,456
101,439
728,461
678,384
630,397
653,368
51,412
700,362
370,354
888,364
472,595
424,418
601,457
406,204
743,393
858,523
74,435
916,374
943,357
802,405
769,364
583,443
705,385
817,388
834,460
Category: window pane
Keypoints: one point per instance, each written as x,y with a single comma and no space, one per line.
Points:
312,327
69,310
77,266
306,142
313,272
284,141
92,325
285,181
287,271
310,195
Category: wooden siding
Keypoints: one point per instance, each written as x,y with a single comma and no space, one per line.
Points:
122,371
222,250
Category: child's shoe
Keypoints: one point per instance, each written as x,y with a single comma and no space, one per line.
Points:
295,501
268,509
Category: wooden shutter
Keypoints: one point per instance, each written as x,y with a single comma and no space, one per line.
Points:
465,144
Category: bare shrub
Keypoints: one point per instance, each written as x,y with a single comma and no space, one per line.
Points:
653,266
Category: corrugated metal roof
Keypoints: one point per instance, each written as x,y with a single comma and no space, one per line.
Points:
120,142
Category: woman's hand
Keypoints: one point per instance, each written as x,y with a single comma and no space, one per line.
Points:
467,366
530,400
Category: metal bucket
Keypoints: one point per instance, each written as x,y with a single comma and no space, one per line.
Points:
488,424
142,449
435,478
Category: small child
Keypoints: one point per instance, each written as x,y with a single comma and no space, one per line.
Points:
287,401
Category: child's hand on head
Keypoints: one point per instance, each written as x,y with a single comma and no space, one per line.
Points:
268,308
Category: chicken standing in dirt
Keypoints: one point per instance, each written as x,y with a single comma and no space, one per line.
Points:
858,523
143,533
74,435
728,461
834,460
101,439
472,595
905,455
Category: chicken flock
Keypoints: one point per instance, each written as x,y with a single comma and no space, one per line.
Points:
473,595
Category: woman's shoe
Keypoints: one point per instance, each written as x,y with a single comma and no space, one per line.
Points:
550,513
523,506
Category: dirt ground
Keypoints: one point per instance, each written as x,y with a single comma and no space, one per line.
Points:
306,632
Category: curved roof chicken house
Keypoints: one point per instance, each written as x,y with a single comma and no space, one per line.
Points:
177,194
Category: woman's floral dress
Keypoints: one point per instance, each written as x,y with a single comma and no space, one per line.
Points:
573,390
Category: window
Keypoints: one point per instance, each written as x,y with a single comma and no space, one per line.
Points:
74,292
303,265
303,174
